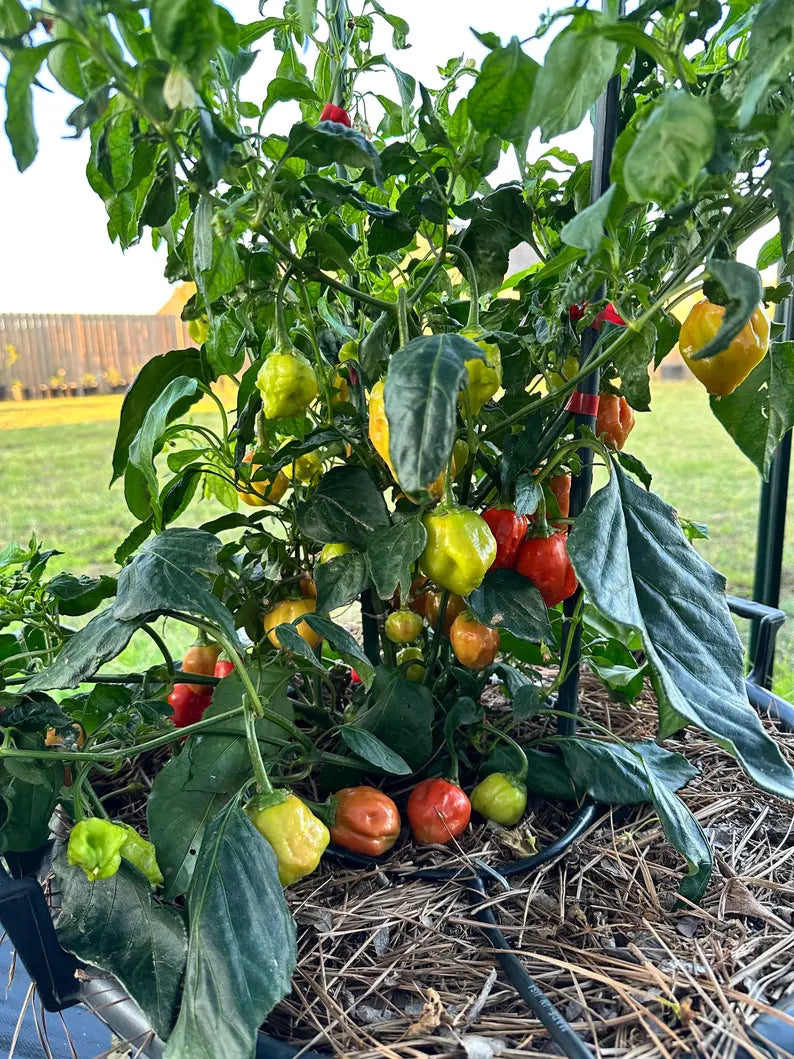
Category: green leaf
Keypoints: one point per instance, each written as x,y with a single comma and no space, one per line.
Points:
27,803
586,229
744,290
499,100
400,713
760,412
150,381
241,946
281,89
429,125
528,495
781,183
770,253
20,127
331,142
343,643
14,19
391,552
548,775
507,600
345,507
372,750
79,595
225,345
644,574
117,925
340,580
684,833
291,640
574,74
172,574
769,54
421,394
148,441
632,363
188,30
670,149
101,640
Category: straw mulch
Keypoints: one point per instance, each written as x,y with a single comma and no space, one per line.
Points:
393,967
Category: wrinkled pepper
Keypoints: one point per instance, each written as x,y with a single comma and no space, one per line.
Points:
284,613
501,797
485,376
615,420
726,370
509,529
287,383
366,821
460,548
97,847
544,561
297,836
263,492
403,626
473,643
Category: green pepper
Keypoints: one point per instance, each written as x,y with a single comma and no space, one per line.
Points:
502,797
460,548
287,383
142,854
97,847
485,376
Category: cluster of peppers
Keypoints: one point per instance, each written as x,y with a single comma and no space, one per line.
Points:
189,701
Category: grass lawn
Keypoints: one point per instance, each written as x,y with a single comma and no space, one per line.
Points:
55,469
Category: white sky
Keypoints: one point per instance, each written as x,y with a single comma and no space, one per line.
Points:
55,255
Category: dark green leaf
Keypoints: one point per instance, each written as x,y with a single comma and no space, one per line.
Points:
372,750
781,181
586,229
148,441
400,713
528,494
616,775
632,363
391,552
225,345
760,411
20,127
574,74
79,595
644,574
499,100
744,289
146,946
150,381
343,643
421,394
241,947
345,507
27,804
341,580
331,142
102,639
670,149
507,600
548,775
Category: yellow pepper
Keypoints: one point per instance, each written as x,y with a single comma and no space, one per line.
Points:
297,836
485,376
726,370
460,548
263,492
306,468
284,613
287,383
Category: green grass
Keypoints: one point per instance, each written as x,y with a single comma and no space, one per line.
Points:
53,480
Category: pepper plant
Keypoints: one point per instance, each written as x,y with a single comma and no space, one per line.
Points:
391,384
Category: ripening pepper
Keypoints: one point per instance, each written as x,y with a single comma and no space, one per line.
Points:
200,658
502,797
188,706
306,468
262,492
413,660
569,368
379,424
366,821
97,847
306,586
198,329
403,626
473,644
297,836
615,420
560,485
333,551
455,606
485,376
284,613
509,529
287,383
331,112
544,561
726,370
438,811
460,548
223,667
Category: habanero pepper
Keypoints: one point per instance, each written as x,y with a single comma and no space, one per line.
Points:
438,811
200,658
287,383
501,797
473,644
285,613
459,550
728,368
331,112
403,626
412,661
484,376
260,493
188,705
298,837
544,561
223,667
97,847
366,821
509,530
615,420
378,433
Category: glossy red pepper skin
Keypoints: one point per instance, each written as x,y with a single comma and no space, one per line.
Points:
509,529
331,112
577,311
438,811
188,705
609,315
223,667
615,419
544,561
367,821
560,485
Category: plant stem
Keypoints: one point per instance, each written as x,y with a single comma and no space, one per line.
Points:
437,635
473,322
263,784
157,638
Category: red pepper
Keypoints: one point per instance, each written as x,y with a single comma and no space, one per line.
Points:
560,485
576,311
223,667
610,315
509,529
188,705
366,821
354,677
331,112
438,811
544,561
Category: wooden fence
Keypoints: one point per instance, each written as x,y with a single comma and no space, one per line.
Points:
48,355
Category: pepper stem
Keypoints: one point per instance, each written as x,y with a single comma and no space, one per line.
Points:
263,784
473,322
402,316
282,334
523,771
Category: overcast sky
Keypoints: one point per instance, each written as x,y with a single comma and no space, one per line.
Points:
56,256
